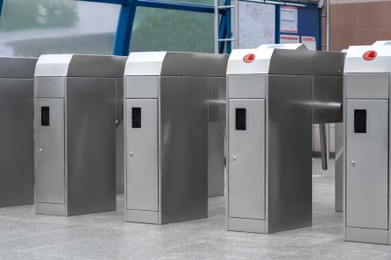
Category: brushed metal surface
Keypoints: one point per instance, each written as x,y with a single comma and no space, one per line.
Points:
246,174
216,136
142,86
357,86
217,99
16,142
19,68
119,158
119,133
305,62
247,86
247,225
142,216
90,129
49,87
289,152
194,64
184,150
367,181
324,149
42,208
327,99
216,156
377,236
339,147
50,163
142,178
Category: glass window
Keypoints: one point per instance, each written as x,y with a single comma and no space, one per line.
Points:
165,30
32,27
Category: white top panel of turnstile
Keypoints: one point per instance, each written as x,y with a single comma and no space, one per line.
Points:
144,63
176,64
382,43
78,65
357,60
53,65
261,63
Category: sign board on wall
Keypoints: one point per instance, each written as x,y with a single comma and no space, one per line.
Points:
256,24
285,38
309,42
289,19
303,24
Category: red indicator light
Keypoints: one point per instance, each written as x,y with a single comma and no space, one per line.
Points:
249,58
369,55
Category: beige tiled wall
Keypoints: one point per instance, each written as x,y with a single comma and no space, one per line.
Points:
355,22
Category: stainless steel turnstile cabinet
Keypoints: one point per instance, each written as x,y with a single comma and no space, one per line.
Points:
275,94
16,131
166,134
75,133
366,143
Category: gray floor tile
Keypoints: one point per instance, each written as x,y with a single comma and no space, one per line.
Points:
24,235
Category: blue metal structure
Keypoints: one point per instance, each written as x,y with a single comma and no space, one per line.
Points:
1,6
128,13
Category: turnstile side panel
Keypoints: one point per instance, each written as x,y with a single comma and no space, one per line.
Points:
216,136
120,173
216,164
357,86
142,177
49,87
16,139
184,148
367,166
339,150
142,86
247,86
90,113
246,174
50,152
327,99
289,152
217,99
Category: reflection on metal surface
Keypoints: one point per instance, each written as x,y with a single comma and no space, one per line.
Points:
180,94
16,139
76,170
324,149
366,142
299,88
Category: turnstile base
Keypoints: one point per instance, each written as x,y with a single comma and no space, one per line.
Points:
50,209
247,225
366,235
142,216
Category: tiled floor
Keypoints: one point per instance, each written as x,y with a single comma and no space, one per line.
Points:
24,235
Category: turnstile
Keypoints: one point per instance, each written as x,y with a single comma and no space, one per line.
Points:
75,133
16,131
275,94
366,144
166,133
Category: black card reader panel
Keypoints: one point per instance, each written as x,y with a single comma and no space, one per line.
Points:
360,121
240,119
